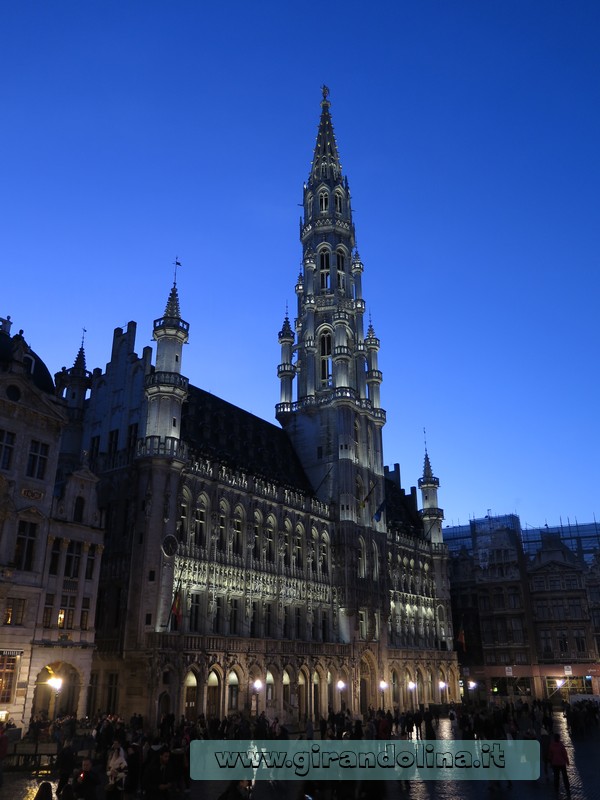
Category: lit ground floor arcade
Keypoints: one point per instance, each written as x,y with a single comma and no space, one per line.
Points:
293,681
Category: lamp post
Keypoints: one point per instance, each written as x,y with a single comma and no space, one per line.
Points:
412,686
257,686
56,684
442,685
382,687
341,687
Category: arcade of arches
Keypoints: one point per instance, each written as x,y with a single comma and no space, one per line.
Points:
293,694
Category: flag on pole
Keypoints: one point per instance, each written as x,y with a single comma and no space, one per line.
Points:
379,512
176,610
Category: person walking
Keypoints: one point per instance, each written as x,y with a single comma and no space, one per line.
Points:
559,761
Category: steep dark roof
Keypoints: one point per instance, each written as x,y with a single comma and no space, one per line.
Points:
217,429
14,351
401,509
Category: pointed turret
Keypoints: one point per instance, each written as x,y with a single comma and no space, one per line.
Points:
166,388
73,386
286,369
432,515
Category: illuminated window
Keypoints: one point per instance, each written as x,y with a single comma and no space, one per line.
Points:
8,672
324,268
66,612
325,355
14,611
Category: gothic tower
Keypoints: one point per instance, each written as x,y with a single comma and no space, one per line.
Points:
432,517
335,420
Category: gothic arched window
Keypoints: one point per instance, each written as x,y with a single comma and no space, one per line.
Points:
325,355
323,202
324,270
338,202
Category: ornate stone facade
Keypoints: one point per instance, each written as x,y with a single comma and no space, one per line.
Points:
250,566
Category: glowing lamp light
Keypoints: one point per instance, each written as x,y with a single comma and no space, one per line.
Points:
258,684
56,684
341,685
442,685
412,685
383,686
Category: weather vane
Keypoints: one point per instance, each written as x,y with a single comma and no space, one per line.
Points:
176,263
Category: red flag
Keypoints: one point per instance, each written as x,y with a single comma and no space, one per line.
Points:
176,610
461,638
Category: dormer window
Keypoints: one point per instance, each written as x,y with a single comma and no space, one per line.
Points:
323,202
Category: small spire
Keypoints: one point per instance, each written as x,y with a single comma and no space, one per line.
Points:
79,362
326,160
427,471
286,332
172,309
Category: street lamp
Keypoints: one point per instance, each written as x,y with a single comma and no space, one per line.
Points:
341,687
56,684
412,688
442,685
257,686
382,687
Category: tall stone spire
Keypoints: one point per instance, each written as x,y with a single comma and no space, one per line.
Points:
326,160
335,373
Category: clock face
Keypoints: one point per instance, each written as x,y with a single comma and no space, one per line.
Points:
169,545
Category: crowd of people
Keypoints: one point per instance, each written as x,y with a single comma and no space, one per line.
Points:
128,762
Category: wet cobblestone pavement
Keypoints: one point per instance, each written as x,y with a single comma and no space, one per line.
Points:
584,775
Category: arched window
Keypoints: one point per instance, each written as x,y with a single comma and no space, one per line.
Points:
324,270
323,202
237,532
338,202
199,531
222,533
324,556
341,274
268,542
233,687
78,510
309,206
256,532
375,562
325,355
298,549
362,559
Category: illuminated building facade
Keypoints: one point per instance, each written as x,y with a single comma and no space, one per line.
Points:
254,567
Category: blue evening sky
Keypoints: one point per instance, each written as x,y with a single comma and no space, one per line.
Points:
136,131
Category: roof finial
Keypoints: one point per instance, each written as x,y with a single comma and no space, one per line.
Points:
325,90
176,263
83,333
425,438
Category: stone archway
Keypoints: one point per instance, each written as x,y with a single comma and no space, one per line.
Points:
49,702
190,696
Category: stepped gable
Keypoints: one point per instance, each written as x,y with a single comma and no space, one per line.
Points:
217,429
